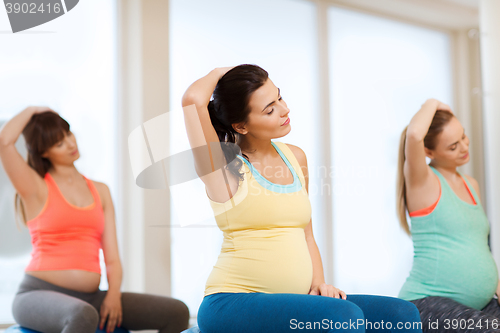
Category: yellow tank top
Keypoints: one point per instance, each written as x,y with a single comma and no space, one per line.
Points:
264,247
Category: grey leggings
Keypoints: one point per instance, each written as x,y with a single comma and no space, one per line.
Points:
442,314
45,307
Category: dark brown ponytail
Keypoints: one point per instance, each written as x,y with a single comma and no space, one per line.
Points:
230,106
42,132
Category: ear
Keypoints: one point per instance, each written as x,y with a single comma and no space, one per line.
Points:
429,153
45,155
240,128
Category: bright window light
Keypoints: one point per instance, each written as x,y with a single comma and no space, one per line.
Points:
381,72
67,64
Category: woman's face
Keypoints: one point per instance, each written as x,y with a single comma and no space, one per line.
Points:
452,148
64,152
268,113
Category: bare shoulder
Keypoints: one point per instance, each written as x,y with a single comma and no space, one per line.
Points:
299,154
302,160
100,186
102,189
474,183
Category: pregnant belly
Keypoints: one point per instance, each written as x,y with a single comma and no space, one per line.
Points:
467,275
78,280
271,261
474,273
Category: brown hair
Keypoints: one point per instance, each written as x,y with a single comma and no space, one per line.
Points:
441,118
42,132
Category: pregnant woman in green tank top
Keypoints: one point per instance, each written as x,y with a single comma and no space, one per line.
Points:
454,277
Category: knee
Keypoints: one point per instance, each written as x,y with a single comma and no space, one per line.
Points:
171,312
347,312
83,315
405,311
180,311
345,317
17,309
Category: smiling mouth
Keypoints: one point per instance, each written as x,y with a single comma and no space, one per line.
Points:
286,121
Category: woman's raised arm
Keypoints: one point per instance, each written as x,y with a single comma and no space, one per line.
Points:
416,170
203,139
24,178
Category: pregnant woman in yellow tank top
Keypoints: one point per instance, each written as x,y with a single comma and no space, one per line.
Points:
269,275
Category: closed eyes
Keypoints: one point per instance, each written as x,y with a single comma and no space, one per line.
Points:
273,109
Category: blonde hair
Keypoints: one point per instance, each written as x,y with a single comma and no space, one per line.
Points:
401,185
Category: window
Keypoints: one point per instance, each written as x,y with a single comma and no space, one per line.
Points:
381,72
283,42
69,65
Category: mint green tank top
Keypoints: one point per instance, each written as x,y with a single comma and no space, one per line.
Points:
451,253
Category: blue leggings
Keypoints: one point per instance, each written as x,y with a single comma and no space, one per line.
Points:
262,313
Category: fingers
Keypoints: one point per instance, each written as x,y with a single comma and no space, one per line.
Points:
104,316
40,109
323,290
334,292
112,322
444,107
439,105
119,322
314,292
113,316
329,291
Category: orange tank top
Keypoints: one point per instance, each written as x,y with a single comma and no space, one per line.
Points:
65,236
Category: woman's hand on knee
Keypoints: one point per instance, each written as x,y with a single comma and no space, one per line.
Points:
111,309
328,290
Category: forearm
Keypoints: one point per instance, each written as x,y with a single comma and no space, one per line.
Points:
318,274
201,90
11,131
420,123
114,274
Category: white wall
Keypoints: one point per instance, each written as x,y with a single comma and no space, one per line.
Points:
490,55
68,64
381,72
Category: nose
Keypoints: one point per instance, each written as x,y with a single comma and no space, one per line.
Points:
286,111
71,143
464,147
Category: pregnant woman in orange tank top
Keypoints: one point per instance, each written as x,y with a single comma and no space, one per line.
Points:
70,218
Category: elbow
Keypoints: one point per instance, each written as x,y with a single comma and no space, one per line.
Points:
4,142
114,266
309,237
113,262
414,135
188,99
